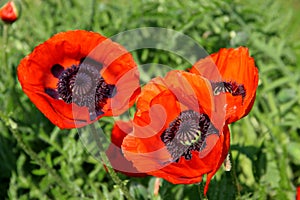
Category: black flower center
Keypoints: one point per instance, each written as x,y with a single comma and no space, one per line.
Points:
187,133
83,85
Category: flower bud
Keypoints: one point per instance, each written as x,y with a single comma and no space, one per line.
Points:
9,12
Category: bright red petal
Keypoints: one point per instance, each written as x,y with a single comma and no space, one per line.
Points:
235,66
225,140
160,101
71,48
114,152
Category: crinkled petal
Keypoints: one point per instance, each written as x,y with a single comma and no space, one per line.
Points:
71,48
235,66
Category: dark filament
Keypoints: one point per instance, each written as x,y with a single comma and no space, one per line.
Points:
83,85
231,87
52,93
187,133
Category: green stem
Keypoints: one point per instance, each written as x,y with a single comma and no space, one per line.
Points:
5,49
201,191
105,160
234,176
12,126
5,42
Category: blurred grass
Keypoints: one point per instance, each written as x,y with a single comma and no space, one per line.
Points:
265,144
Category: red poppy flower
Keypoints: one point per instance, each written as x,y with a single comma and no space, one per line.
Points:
178,130
114,153
298,193
9,12
233,72
76,77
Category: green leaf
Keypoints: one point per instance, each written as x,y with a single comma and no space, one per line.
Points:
39,172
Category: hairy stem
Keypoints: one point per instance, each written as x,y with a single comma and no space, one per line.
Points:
110,170
12,126
5,72
234,176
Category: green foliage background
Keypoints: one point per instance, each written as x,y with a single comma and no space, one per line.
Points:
265,145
